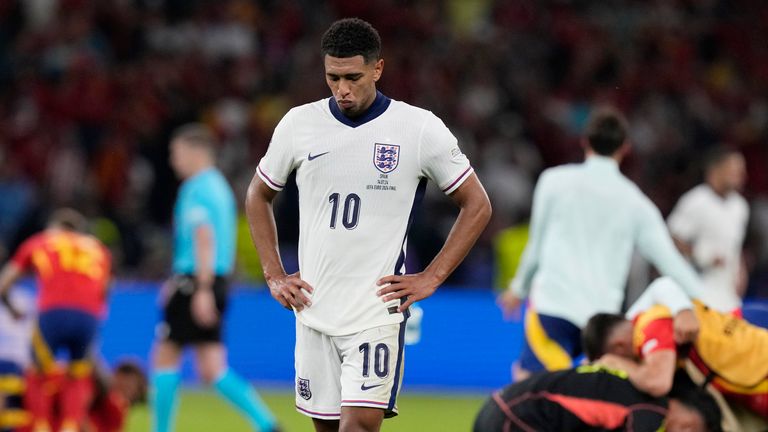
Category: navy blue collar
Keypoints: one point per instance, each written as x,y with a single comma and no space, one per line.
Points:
377,108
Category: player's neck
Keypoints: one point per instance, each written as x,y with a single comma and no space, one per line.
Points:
718,189
198,168
592,154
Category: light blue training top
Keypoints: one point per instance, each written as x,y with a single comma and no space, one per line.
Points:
205,199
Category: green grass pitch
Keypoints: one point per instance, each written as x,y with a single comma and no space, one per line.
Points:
203,411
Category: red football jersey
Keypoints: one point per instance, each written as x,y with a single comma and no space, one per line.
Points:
109,414
72,269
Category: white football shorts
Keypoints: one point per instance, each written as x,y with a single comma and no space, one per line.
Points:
363,370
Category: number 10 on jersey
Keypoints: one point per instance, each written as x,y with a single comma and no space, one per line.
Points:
350,212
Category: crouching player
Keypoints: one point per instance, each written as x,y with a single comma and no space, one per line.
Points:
731,353
594,398
114,395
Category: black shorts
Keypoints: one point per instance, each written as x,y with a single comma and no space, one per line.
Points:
178,325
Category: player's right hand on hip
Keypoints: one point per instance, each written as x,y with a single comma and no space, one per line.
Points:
289,291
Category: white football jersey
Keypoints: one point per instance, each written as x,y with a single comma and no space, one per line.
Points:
15,336
359,181
715,227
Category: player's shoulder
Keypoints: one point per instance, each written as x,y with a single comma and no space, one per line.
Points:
741,202
560,173
88,238
402,106
210,182
37,238
412,112
698,193
309,110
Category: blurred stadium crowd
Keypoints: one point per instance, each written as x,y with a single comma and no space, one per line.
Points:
91,90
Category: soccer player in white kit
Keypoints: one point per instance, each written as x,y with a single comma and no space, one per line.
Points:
708,224
362,161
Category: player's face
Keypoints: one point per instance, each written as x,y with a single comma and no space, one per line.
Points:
734,172
620,340
130,386
681,418
180,158
352,82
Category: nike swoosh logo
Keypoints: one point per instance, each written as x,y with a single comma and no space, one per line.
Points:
310,156
365,387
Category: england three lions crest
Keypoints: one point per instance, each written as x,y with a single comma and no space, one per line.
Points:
302,386
386,157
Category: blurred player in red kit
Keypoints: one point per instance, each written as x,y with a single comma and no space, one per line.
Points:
73,272
114,396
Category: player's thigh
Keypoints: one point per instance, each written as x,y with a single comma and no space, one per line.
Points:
166,355
550,343
371,373
318,372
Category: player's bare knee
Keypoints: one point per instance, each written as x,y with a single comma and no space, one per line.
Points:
207,377
208,372
211,362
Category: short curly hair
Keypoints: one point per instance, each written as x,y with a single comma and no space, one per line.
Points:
350,37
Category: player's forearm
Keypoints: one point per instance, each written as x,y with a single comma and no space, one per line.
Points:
521,283
653,375
661,251
663,291
261,224
204,256
473,217
8,276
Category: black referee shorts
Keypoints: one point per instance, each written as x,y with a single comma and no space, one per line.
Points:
178,326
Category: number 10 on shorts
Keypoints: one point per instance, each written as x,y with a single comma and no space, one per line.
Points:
380,359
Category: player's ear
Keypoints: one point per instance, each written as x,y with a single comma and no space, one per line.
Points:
378,68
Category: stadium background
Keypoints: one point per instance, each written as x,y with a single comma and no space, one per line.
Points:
91,90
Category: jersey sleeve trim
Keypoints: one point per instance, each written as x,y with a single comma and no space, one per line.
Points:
459,181
268,181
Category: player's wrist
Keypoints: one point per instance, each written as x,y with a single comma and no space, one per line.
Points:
272,276
204,283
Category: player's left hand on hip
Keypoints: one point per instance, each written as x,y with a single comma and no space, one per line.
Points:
204,308
414,286
686,326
